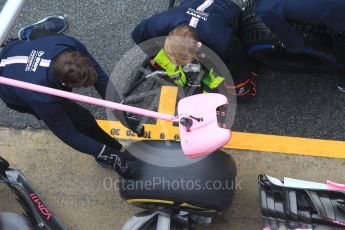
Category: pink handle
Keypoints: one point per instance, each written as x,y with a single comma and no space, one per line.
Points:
335,186
268,228
86,99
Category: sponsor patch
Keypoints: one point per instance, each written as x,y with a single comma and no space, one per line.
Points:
34,61
198,14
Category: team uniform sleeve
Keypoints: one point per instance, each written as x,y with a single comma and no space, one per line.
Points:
290,37
223,46
154,26
103,83
59,123
102,77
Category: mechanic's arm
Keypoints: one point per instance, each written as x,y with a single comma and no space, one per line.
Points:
289,36
155,26
102,77
222,45
59,123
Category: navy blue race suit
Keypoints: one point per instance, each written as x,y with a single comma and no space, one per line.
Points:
275,13
31,61
216,27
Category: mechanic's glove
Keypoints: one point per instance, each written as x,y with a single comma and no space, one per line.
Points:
130,121
174,72
134,124
246,90
112,158
211,81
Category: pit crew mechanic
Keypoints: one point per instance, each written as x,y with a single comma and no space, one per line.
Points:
214,23
329,13
44,57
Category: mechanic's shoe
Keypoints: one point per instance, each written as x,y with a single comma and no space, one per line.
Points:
55,24
116,160
341,83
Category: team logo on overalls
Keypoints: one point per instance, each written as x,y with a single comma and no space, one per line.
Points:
198,14
34,61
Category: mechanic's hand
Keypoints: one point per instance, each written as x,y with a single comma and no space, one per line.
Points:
134,124
130,121
117,160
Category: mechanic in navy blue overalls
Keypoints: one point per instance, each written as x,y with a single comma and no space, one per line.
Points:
329,13
213,23
44,57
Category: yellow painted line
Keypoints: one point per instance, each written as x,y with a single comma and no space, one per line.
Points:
167,104
289,145
185,205
239,140
152,131
149,201
244,141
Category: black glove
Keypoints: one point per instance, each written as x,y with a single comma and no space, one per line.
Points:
116,160
130,121
134,124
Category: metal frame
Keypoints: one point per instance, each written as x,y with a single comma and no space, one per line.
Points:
8,16
141,220
163,222
37,211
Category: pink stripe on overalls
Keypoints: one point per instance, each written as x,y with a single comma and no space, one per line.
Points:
194,21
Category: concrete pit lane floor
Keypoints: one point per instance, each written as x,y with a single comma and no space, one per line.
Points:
81,194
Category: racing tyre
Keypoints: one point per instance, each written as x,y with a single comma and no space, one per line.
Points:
262,45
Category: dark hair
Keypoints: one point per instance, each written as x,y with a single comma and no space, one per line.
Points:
74,69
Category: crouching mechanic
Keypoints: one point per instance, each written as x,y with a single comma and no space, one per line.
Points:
188,26
44,57
331,14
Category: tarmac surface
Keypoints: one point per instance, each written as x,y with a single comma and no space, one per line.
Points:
77,191
292,104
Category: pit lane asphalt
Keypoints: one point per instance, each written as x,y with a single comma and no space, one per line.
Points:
292,104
